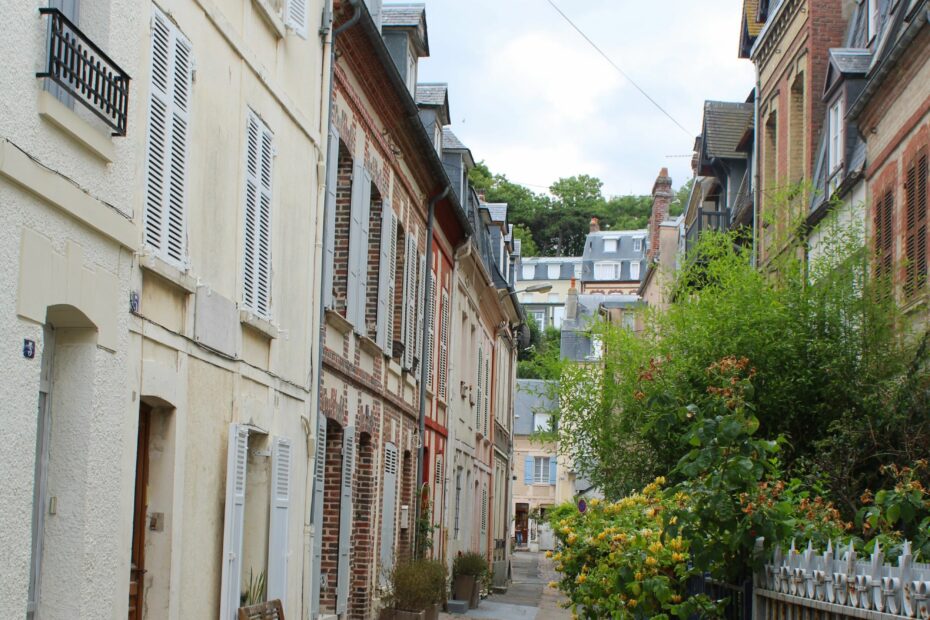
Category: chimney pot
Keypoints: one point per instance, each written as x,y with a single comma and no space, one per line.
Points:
595,225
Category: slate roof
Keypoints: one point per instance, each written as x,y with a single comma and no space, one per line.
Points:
575,337
531,396
451,142
432,94
402,15
498,211
541,265
725,123
851,61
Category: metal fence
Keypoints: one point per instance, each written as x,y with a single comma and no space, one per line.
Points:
737,599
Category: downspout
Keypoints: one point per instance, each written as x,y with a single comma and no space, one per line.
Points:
757,190
427,316
310,591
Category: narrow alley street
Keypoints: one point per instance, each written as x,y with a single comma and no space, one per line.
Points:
527,598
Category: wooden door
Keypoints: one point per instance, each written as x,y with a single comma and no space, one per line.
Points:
140,507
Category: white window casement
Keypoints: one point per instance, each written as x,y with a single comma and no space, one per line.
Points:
835,136
558,315
871,7
554,271
541,470
164,215
638,244
256,262
540,317
529,272
610,245
606,271
579,270
540,422
634,270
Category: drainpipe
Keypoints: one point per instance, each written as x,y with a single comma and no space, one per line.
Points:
427,312
311,591
757,190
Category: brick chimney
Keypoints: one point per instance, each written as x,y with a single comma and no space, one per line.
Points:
595,225
661,200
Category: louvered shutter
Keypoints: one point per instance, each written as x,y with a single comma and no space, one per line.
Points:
363,259
528,470
915,191
164,216
388,513
278,520
345,520
256,272
431,334
487,393
386,276
297,16
444,347
355,236
392,287
484,509
420,305
234,520
329,220
884,234
410,301
553,465
479,403
319,479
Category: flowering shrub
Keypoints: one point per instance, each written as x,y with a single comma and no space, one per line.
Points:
617,560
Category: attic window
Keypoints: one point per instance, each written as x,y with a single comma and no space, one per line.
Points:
529,272
610,245
835,137
637,245
871,7
554,271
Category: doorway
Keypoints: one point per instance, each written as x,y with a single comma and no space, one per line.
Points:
522,524
140,507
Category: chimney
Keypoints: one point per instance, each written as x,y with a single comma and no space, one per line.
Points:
481,197
595,225
571,302
661,200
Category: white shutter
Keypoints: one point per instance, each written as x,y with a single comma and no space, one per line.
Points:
329,223
386,274
392,286
234,520
479,403
319,479
444,348
363,258
297,16
431,333
410,301
388,513
164,216
419,305
355,236
345,520
487,392
256,272
278,520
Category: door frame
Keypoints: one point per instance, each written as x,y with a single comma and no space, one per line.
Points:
139,509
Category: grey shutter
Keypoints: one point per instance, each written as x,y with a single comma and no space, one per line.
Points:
355,235
487,393
388,513
392,286
329,222
479,403
385,275
278,550
345,520
319,479
256,272
297,16
234,520
165,221
410,302
431,334
419,305
363,259
444,348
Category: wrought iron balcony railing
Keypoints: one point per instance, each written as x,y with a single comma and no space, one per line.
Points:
85,72
706,220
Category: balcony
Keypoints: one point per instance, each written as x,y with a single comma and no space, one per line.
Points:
705,220
85,72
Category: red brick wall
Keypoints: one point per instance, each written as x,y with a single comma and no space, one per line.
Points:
374,261
343,221
332,497
363,502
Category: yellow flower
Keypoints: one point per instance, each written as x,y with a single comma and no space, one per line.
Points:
677,557
549,554
571,539
632,602
676,598
660,480
651,561
655,547
581,578
553,585
650,512
673,521
602,536
638,576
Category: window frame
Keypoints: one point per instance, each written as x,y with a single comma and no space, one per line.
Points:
531,269
558,271
614,242
545,462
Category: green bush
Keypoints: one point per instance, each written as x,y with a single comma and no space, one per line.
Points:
417,584
470,564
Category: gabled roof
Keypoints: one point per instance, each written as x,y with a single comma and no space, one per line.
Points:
846,63
451,142
498,211
434,95
725,123
408,16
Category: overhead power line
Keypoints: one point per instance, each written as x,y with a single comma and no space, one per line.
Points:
616,66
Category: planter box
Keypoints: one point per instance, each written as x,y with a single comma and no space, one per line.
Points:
396,614
465,588
432,612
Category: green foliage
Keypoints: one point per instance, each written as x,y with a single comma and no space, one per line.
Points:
470,564
543,360
899,513
417,584
424,533
254,592
527,244
681,198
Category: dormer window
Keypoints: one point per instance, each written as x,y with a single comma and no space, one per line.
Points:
412,72
873,17
634,270
637,245
610,245
529,272
554,271
835,137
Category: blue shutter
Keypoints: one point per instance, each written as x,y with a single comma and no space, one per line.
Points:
319,479
388,513
552,472
528,470
329,223
345,520
355,241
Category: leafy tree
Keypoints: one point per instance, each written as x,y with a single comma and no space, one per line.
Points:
527,244
681,198
543,359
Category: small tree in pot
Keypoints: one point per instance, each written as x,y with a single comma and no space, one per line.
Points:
467,571
417,590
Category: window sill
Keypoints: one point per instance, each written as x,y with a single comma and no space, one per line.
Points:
338,321
271,18
369,346
914,305
60,115
169,272
262,326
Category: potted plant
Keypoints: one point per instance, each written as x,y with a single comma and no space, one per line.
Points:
415,591
467,571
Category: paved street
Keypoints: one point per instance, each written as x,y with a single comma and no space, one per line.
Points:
528,596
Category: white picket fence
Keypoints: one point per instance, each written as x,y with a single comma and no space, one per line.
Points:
806,584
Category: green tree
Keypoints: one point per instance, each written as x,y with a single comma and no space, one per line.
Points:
527,244
542,360
681,198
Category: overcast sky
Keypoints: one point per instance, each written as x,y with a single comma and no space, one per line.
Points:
536,102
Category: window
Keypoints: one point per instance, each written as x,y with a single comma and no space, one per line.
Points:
412,70
541,466
540,317
529,272
884,233
458,503
872,10
558,315
541,422
297,17
597,348
638,244
605,271
634,270
915,233
164,215
256,271
610,245
835,127
579,269
554,271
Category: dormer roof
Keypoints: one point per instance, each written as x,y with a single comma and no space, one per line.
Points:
451,143
846,63
436,96
725,124
410,17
